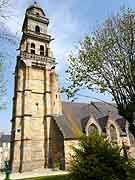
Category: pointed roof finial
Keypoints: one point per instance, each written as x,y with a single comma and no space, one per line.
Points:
35,4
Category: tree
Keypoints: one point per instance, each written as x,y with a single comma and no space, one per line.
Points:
105,62
5,14
97,159
2,84
4,9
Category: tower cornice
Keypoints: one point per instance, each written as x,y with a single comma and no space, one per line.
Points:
43,19
40,36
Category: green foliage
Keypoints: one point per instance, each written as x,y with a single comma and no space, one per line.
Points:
106,63
57,177
56,165
97,159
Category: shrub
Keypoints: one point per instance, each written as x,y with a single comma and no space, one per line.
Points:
97,159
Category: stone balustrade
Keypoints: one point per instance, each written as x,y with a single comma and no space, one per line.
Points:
37,58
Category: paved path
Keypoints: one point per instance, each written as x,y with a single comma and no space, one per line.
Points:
35,173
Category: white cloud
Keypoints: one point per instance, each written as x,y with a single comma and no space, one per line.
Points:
66,30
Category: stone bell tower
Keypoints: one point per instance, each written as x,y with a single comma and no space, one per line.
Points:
36,95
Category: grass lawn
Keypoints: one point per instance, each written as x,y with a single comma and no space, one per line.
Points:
57,177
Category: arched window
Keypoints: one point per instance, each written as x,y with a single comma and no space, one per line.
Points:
92,129
113,134
37,29
32,45
37,13
42,50
47,52
27,46
32,48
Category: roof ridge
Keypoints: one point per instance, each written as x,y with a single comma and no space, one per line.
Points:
74,102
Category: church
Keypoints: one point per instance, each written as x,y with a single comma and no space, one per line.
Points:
44,127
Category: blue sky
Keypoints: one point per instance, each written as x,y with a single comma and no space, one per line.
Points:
70,21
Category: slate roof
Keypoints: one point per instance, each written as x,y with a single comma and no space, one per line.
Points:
64,126
76,115
5,138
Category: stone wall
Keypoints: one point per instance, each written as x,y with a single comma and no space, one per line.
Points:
28,146
69,151
55,96
56,151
